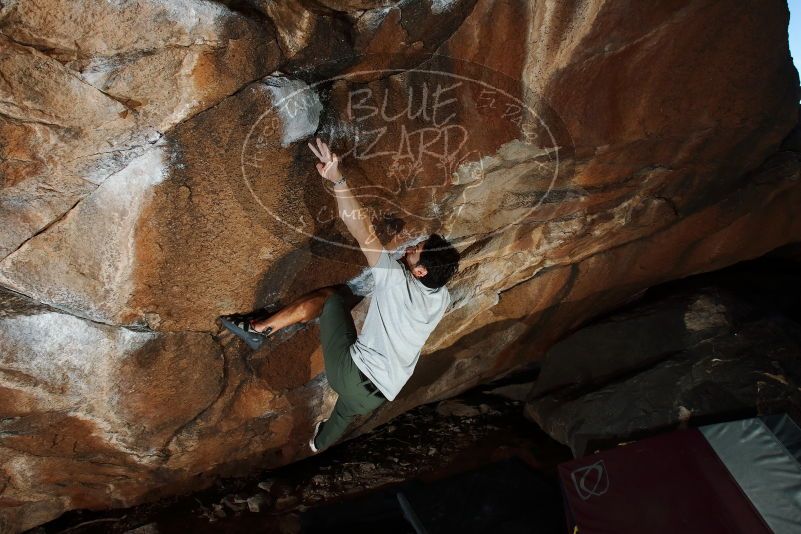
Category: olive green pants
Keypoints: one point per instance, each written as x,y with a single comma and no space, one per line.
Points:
337,334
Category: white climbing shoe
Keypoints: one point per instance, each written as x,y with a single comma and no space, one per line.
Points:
314,436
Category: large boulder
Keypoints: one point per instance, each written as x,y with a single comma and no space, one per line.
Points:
698,355
156,175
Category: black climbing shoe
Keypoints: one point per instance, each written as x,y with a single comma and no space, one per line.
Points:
240,326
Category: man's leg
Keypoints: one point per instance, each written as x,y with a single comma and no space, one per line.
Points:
337,423
305,308
337,334
345,410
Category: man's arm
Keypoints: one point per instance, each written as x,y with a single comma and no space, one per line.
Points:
357,219
349,208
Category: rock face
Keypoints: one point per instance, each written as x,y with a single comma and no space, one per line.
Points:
154,175
697,354
89,86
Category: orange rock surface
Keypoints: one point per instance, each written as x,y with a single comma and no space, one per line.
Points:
154,175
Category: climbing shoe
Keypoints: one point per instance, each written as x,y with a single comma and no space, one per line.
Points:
240,326
312,446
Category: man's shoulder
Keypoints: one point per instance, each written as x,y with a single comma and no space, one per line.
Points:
443,293
446,297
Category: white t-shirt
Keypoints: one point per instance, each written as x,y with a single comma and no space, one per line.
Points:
402,314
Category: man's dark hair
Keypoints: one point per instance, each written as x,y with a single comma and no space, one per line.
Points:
441,261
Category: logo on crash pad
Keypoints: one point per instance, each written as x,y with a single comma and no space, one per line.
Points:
591,480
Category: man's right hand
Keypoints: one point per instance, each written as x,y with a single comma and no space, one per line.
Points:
348,206
329,162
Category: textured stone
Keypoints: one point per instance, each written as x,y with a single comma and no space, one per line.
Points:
86,87
690,357
90,410
456,409
155,176
325,38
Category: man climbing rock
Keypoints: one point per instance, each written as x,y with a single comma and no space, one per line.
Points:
408,300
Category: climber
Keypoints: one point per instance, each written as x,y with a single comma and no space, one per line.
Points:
408,300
